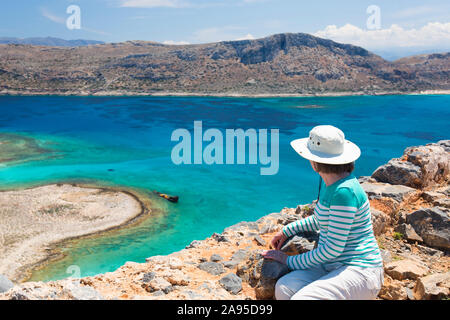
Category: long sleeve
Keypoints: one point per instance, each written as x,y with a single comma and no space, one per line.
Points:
306,224
343,207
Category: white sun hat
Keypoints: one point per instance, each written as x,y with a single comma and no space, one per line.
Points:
326,144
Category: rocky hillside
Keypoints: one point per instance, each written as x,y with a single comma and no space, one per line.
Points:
410,204
279,64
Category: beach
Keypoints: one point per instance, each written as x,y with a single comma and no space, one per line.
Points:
118,93
33,221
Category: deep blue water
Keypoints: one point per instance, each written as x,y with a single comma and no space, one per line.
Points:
131,135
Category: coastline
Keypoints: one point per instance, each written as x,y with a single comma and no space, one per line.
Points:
213,94
59,213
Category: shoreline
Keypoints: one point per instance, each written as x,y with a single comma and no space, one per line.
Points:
224,95
34,253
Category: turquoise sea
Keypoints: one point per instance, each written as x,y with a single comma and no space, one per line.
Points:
125,141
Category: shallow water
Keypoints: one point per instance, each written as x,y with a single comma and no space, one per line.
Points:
131,136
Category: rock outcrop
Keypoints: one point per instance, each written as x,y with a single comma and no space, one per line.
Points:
410,224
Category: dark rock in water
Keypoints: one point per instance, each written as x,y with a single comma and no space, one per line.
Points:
5,284
213,268
433,225
231,283
110,170
166,196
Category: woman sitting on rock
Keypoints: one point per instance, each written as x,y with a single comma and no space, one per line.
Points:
346,264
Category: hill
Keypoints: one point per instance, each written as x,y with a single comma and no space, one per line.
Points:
279,64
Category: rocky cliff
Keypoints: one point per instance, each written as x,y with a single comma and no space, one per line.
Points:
279,64
410,205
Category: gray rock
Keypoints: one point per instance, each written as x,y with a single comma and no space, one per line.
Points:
381,190
386,256
243,225
230,264
194,244
215,257
220,237
300,243
158,293
79,292
5,284
433,225
419,167
260,240
408,232
433,287
380,221
398,172
232,283
239,255
273,270
268,227
147,277
213,268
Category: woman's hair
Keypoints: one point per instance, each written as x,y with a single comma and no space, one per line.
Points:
335,168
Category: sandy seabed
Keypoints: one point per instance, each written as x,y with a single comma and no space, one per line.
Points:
34,220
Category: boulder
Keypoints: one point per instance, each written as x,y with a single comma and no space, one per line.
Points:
232,283
419,167
392,289
262,274
213,268
433,225
408,233
300,243
405,269
433,287
386,190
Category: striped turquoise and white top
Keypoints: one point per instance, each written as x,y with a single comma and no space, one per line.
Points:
343,218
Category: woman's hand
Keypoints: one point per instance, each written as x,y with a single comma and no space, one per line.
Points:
278,240
276,255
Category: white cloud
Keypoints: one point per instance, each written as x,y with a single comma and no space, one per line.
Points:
433,34
249,36
217,34
154,3
47,14
171,42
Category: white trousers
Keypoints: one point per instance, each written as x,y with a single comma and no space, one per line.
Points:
331,282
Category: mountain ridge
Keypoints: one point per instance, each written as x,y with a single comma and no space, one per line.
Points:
287,63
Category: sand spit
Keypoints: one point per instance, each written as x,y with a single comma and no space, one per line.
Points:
34,220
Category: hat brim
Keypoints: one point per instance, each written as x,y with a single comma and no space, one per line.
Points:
351,152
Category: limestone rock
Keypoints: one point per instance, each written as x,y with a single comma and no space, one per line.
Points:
408,233
386,190
232,283
300,243
262,274
420,167
405,269
213,268
433,225
380,221
78,292
392,289
432,287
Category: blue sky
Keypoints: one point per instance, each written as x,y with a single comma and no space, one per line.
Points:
403,24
